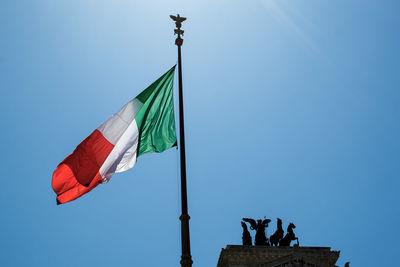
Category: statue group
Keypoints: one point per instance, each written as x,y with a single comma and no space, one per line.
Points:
276,239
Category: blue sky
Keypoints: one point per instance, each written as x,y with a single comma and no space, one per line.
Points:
291,111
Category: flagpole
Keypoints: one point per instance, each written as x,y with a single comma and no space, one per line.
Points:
186,258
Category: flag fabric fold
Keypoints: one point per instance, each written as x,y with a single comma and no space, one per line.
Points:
145,124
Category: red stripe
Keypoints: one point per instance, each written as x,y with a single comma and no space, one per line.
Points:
79,172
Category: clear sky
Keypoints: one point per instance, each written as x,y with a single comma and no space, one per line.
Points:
291,111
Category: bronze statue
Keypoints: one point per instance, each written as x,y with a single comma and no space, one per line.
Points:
285,242
259,226
277,236
246,237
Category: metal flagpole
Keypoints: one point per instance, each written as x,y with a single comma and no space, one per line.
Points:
186,259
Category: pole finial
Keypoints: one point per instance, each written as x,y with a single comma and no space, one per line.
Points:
178,22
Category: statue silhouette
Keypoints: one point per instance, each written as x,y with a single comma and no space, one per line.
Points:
259,226
277,236
246,237
285,242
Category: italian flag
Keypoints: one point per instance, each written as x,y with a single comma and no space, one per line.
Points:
145,124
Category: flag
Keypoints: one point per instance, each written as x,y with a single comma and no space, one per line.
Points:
145,124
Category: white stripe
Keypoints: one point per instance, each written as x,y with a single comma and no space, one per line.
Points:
123,155
114,127
121,131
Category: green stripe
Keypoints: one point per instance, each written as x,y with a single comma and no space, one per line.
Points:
155,120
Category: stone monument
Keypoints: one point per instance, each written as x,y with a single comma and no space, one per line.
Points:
275,251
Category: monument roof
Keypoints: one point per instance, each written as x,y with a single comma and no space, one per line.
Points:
264,256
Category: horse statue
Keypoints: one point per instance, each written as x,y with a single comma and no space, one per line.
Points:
277,236
285,242
246,237
259,226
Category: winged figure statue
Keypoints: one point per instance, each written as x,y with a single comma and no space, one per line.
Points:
259,226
